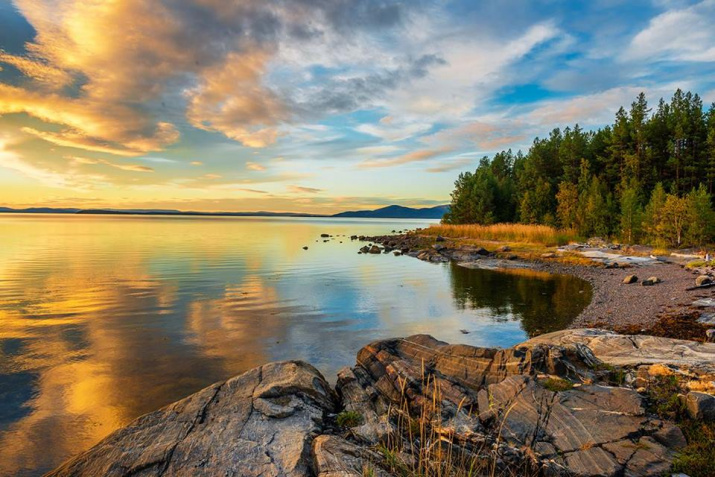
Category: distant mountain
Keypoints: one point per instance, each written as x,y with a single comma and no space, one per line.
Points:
38,210
398,212
389,212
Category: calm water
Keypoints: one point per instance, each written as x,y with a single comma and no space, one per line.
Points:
104,318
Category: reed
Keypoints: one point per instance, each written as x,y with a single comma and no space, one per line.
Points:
424,446
505,232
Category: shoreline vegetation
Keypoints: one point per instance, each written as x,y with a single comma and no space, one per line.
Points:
648,178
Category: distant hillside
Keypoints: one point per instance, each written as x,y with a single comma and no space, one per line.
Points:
38,210
398,212
389,212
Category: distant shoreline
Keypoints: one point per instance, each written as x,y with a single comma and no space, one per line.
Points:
389,212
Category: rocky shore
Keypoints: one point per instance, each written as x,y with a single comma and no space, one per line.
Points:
576,402
616,305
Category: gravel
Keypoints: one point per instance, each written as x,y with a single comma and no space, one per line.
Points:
616,304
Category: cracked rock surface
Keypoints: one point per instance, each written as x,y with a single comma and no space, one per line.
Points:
539,407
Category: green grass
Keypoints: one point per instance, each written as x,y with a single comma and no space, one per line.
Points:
349,419
557,384
697,459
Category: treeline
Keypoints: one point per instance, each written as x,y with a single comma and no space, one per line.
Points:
647,178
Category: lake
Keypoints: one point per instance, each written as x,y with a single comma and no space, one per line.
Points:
105,318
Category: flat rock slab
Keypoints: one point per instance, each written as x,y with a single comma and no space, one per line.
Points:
704,303
261,423
634,350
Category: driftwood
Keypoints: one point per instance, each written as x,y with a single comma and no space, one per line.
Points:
708,285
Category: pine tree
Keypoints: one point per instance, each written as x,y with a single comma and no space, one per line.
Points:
653,216
631,212
701,219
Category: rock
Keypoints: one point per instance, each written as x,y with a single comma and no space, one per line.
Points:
358,394
397,253
260,423
504,249
324,235
534,409
707,318
334,456
439,246
353,237
365,249
650,281
670,436
375,249
703,280
704,303
501,389
710,335
548,255
630,279
439,239
700,406
481,251
305,247
634,350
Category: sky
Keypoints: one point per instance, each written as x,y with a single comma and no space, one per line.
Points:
314,105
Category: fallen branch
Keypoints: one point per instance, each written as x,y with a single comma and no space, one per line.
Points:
708,285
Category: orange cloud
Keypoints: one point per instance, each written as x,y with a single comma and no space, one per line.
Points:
414,156
231,100
303,190
252,166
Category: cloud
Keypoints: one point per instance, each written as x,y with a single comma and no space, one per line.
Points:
414,156
448,166
72,180
124,167
52,77
196,163
254,191
680,34
304,190
252,166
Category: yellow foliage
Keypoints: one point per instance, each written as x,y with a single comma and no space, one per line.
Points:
505,232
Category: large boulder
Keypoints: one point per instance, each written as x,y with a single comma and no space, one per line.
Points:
261,423
491,396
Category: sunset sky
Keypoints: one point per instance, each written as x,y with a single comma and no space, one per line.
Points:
313,105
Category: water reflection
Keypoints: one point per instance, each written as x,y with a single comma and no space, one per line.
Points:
542,302
103,319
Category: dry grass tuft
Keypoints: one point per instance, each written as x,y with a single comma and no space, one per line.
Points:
518,233
425,446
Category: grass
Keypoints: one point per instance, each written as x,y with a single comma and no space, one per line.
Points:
422,446
697,459
698,263
505,232
349,419
557,384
